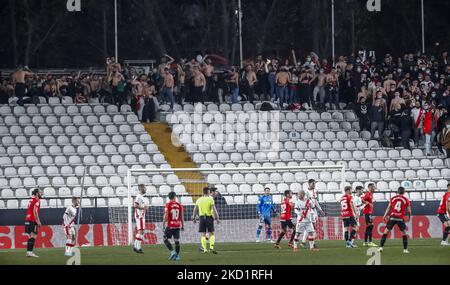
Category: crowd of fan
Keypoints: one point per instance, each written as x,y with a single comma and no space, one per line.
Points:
407,98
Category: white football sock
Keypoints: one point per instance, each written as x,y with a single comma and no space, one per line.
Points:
305,235
68,247
137,241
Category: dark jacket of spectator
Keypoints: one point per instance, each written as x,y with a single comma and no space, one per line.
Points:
219,199
444,139
377,114
362,111
406,124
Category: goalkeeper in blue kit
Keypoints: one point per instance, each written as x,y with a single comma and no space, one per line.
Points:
265,208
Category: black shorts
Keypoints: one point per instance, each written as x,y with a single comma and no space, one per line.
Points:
444,218
349,222
368,218
31,227
206,225
20,89
287,224
172,233
400,223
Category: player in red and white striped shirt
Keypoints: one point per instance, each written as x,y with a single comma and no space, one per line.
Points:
399,206
140,208
69,226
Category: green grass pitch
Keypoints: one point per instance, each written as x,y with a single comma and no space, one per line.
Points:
423,252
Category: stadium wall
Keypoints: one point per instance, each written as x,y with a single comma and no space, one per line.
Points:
95,230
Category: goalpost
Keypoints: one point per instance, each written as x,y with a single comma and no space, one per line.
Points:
240,189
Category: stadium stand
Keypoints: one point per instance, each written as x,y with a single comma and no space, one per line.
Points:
47,146
301,139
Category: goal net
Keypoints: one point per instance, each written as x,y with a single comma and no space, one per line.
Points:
238,190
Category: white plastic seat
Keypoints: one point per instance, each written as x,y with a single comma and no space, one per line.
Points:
54,101
438,163
130,159
93,121
430,185
382,186
415,196
158,179
86,110
73,181
252,199
179,189
442,183
350,145
92,192
303,116
334,126
258,188
145,138
144,159
445,172
338,145
115,181
172,179
13,150
330,135
58,182
164,190
78,120
407,184
232,189
43,181
65,120
422,174
50,192
12,204
240,199
417,153
354,164
157,201
105,119
99,109
7,140
159,159
379,197
136,148
132,118
306,136
187,200
410,174
435,173
245,189
101,181
111,109
394,185
114,202
7,193
60,160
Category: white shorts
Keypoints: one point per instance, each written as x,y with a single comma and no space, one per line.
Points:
305,226
140,223
69,230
